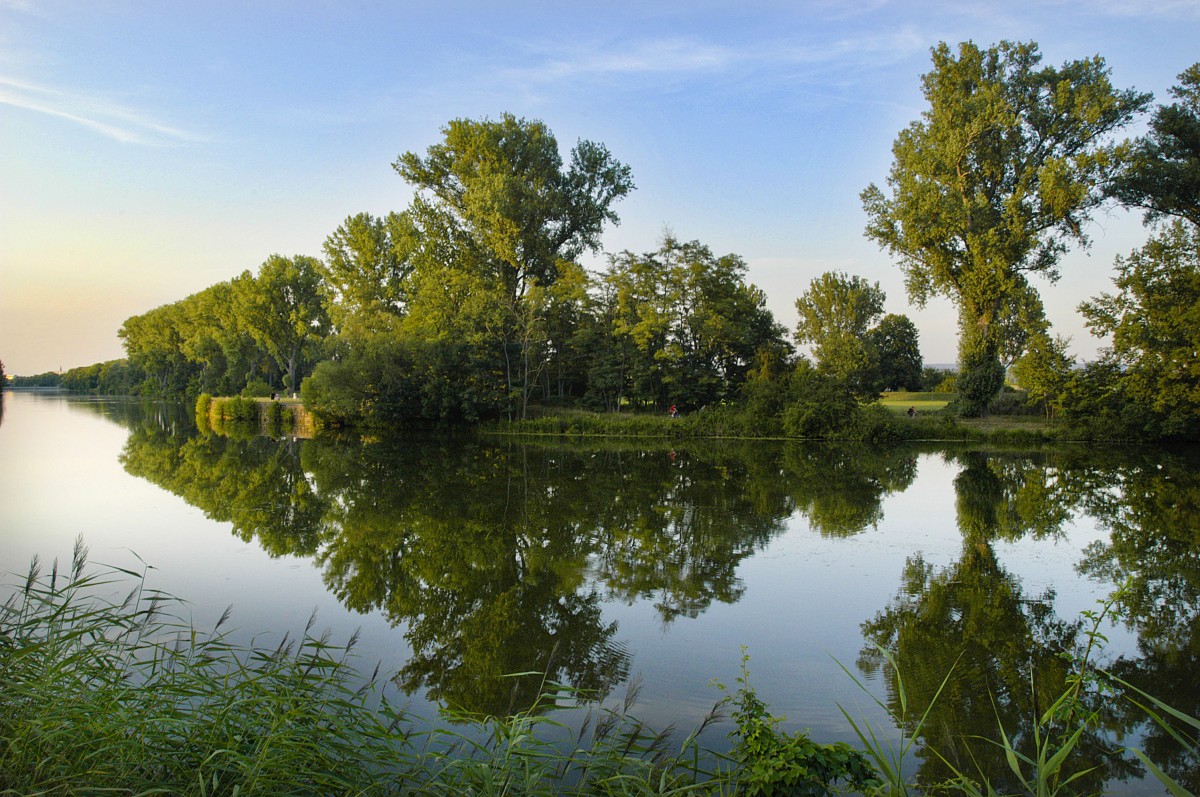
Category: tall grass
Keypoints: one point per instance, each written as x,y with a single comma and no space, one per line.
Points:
1047,767
118,694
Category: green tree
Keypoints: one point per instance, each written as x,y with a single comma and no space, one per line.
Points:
282,310
688,323
1043,371
153,342
991,185
366,269
1163,176
493,199
836,314
897,346
1154,323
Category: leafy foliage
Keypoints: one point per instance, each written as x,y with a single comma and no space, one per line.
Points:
836,313
771,762
1154,322
993,182
1163,175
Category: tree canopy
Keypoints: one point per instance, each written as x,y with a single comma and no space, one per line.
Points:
1163,176
993,182
496,191
1153,319
836,313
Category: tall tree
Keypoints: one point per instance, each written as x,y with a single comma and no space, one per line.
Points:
1154,323
366,269
993,182
153,342
281,309
1044,370
836,313
1163,176
690,323
494,198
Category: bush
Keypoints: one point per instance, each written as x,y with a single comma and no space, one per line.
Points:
274,418
257,388
235,408
819,406
203,407
1012,402
771,762
947,384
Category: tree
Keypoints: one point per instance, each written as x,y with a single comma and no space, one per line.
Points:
154,344
689,324
366,268
281,309
1163,176
1044,370
897,346
493,198
836,314
1154,321
993,182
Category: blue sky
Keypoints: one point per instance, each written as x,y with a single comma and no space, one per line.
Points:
150,149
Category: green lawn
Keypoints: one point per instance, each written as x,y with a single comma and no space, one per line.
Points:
923,403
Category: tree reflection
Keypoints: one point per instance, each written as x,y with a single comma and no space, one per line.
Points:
840,489
1008,654
1151,509
1007,496
481,562
495,556
255,484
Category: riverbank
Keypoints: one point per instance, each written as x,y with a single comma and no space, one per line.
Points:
873,424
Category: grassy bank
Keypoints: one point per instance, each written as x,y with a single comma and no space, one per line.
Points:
122,696
884,422
921,403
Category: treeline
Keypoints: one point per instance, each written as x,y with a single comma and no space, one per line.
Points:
112,378
473,303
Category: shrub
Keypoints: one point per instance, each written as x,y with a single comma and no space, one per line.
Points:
203,406
771,762
256,388
235,408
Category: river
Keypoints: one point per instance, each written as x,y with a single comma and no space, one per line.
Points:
463,558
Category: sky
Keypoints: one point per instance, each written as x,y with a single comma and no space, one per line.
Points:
151,149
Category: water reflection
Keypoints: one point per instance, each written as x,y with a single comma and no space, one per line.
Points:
496,556
1009,655
1152,511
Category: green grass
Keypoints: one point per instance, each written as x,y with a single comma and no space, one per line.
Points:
924,403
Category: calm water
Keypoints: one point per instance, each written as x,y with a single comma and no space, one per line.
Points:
466,558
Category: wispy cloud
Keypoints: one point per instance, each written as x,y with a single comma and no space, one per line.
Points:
1145,8
660,56
685,57
109,119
